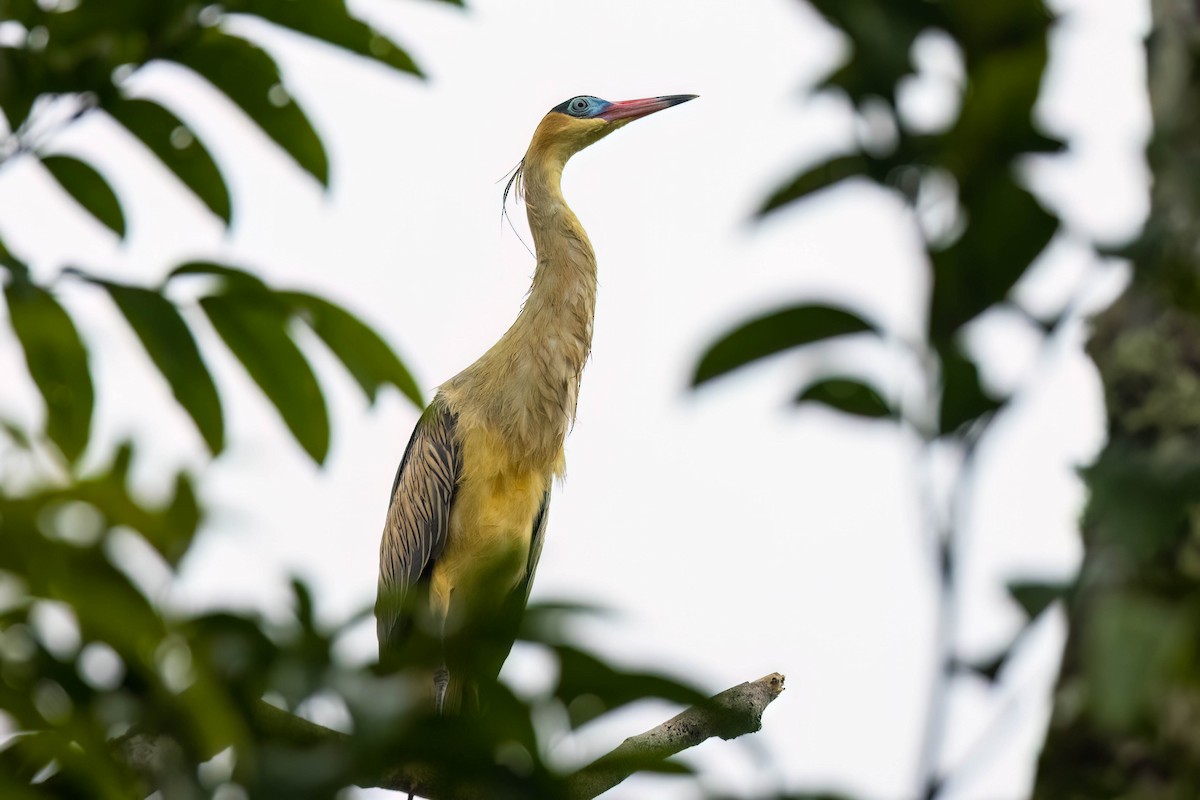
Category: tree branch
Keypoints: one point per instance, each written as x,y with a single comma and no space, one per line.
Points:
732,713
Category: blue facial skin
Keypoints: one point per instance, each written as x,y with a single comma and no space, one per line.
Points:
582,107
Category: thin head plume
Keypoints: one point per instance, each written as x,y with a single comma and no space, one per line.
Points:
516,186
514,181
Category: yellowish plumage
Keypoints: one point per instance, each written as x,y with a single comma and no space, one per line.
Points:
491,524
468,511
515,404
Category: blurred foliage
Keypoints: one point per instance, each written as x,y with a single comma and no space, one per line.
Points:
108,693
73,58
1126,719
847,395
255,322
90,663
999,228
996,232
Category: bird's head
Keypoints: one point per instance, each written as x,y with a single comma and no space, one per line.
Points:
584,120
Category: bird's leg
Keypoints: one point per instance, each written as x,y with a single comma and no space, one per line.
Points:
441,675
441,683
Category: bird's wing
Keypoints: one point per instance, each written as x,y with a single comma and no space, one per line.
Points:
417,519
535,543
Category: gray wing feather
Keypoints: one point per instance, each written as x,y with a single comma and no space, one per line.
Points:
418,519
536,542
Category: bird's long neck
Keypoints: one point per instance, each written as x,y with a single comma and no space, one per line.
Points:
526,386
562,301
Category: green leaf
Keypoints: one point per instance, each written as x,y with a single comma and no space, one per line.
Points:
237,278
89,189
1137,651
255,330
1006,230
16,435
169,530
57,361
988,669
963,397
17,93
182,519
235,649
25,755
589,687
16,267
364,353
881,34
644,761
305,613
250,78
986,28
1034,597
109,607
996,122
668,766
330,21
848,395
178,148
815,179
1140,501
774,333
554,622
173,350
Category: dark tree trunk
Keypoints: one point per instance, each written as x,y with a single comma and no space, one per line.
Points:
1126,719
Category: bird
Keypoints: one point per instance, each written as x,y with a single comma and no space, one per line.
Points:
468,510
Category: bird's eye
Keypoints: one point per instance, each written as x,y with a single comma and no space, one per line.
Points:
579,104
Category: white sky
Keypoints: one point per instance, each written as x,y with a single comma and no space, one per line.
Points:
735,534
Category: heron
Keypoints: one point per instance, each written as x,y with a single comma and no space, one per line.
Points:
469,504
